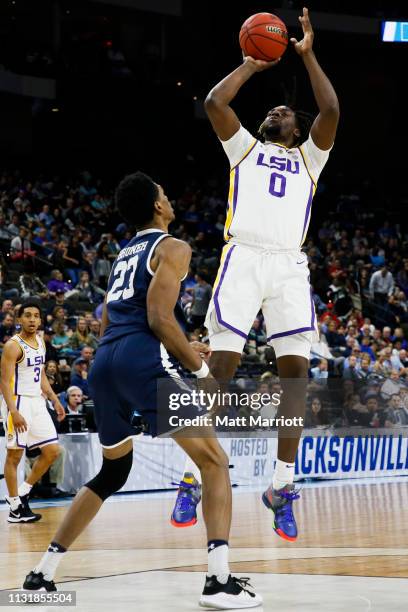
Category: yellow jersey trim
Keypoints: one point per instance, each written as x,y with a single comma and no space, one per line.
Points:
230,210
30,345
247,152
22,350
225,250
307,167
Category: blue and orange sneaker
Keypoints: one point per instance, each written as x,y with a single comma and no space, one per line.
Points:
189,496
280,502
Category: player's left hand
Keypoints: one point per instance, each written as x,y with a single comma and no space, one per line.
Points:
59,409
204,350
305,45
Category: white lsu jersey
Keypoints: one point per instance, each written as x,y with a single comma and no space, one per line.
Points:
271,191
27,376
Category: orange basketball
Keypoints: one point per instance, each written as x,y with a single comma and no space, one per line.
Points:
263,36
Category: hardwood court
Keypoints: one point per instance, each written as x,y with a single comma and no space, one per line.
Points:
352,552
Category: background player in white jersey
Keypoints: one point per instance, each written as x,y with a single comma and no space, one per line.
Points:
25,416
262,267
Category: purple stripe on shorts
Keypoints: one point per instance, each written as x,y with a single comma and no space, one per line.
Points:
43,442
300,330
308,207
216,303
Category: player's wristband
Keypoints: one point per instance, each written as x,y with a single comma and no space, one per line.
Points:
203,371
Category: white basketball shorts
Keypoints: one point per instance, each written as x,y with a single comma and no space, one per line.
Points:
251,279
40,427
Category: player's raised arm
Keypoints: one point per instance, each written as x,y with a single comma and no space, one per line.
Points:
170,264
11,354
217,104
324,127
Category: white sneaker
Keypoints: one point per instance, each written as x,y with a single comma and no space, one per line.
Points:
230,596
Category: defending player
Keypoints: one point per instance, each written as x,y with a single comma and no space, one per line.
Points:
27,422
272,183
140,331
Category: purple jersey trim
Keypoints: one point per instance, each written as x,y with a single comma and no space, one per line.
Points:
216,303
15,379
307,213
299,330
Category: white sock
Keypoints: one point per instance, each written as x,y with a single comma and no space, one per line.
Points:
284,474
191,468
24,489
49,562
218,562
14,502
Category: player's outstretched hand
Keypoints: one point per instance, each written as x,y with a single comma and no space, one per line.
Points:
305,45
202,349
258,65
18,422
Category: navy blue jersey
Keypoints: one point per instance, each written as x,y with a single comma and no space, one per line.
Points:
128,286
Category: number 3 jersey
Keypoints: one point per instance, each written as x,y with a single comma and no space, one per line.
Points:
128,285
27,375
271,191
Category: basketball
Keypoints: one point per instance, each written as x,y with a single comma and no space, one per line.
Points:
263,36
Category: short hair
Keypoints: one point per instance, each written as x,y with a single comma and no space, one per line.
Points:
29,304
74,388
135,197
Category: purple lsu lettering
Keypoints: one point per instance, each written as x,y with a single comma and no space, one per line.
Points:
278,163
35,361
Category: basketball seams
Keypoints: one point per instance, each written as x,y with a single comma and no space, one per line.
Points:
267,57
270,38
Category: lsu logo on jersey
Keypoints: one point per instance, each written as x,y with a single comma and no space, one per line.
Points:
35,361
278,163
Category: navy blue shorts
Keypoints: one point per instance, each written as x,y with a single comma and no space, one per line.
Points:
124,378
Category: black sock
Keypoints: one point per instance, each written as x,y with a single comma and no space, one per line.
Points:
215,543
55,547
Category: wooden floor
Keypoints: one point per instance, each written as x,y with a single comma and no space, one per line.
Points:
353,530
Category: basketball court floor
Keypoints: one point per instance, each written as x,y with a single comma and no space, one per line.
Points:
352,553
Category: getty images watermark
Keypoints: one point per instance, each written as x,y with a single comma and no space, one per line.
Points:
201,408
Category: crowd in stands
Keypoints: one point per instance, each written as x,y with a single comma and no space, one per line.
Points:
59,237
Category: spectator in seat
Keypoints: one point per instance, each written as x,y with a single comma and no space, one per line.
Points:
7,329
320,373
80,337
51,353
351,370
73,259
103,265
94,336
61,339
20,246
75,398
88,291
30,285
316,416
201,293
54,376
381,285
79,375
6,307
57,283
